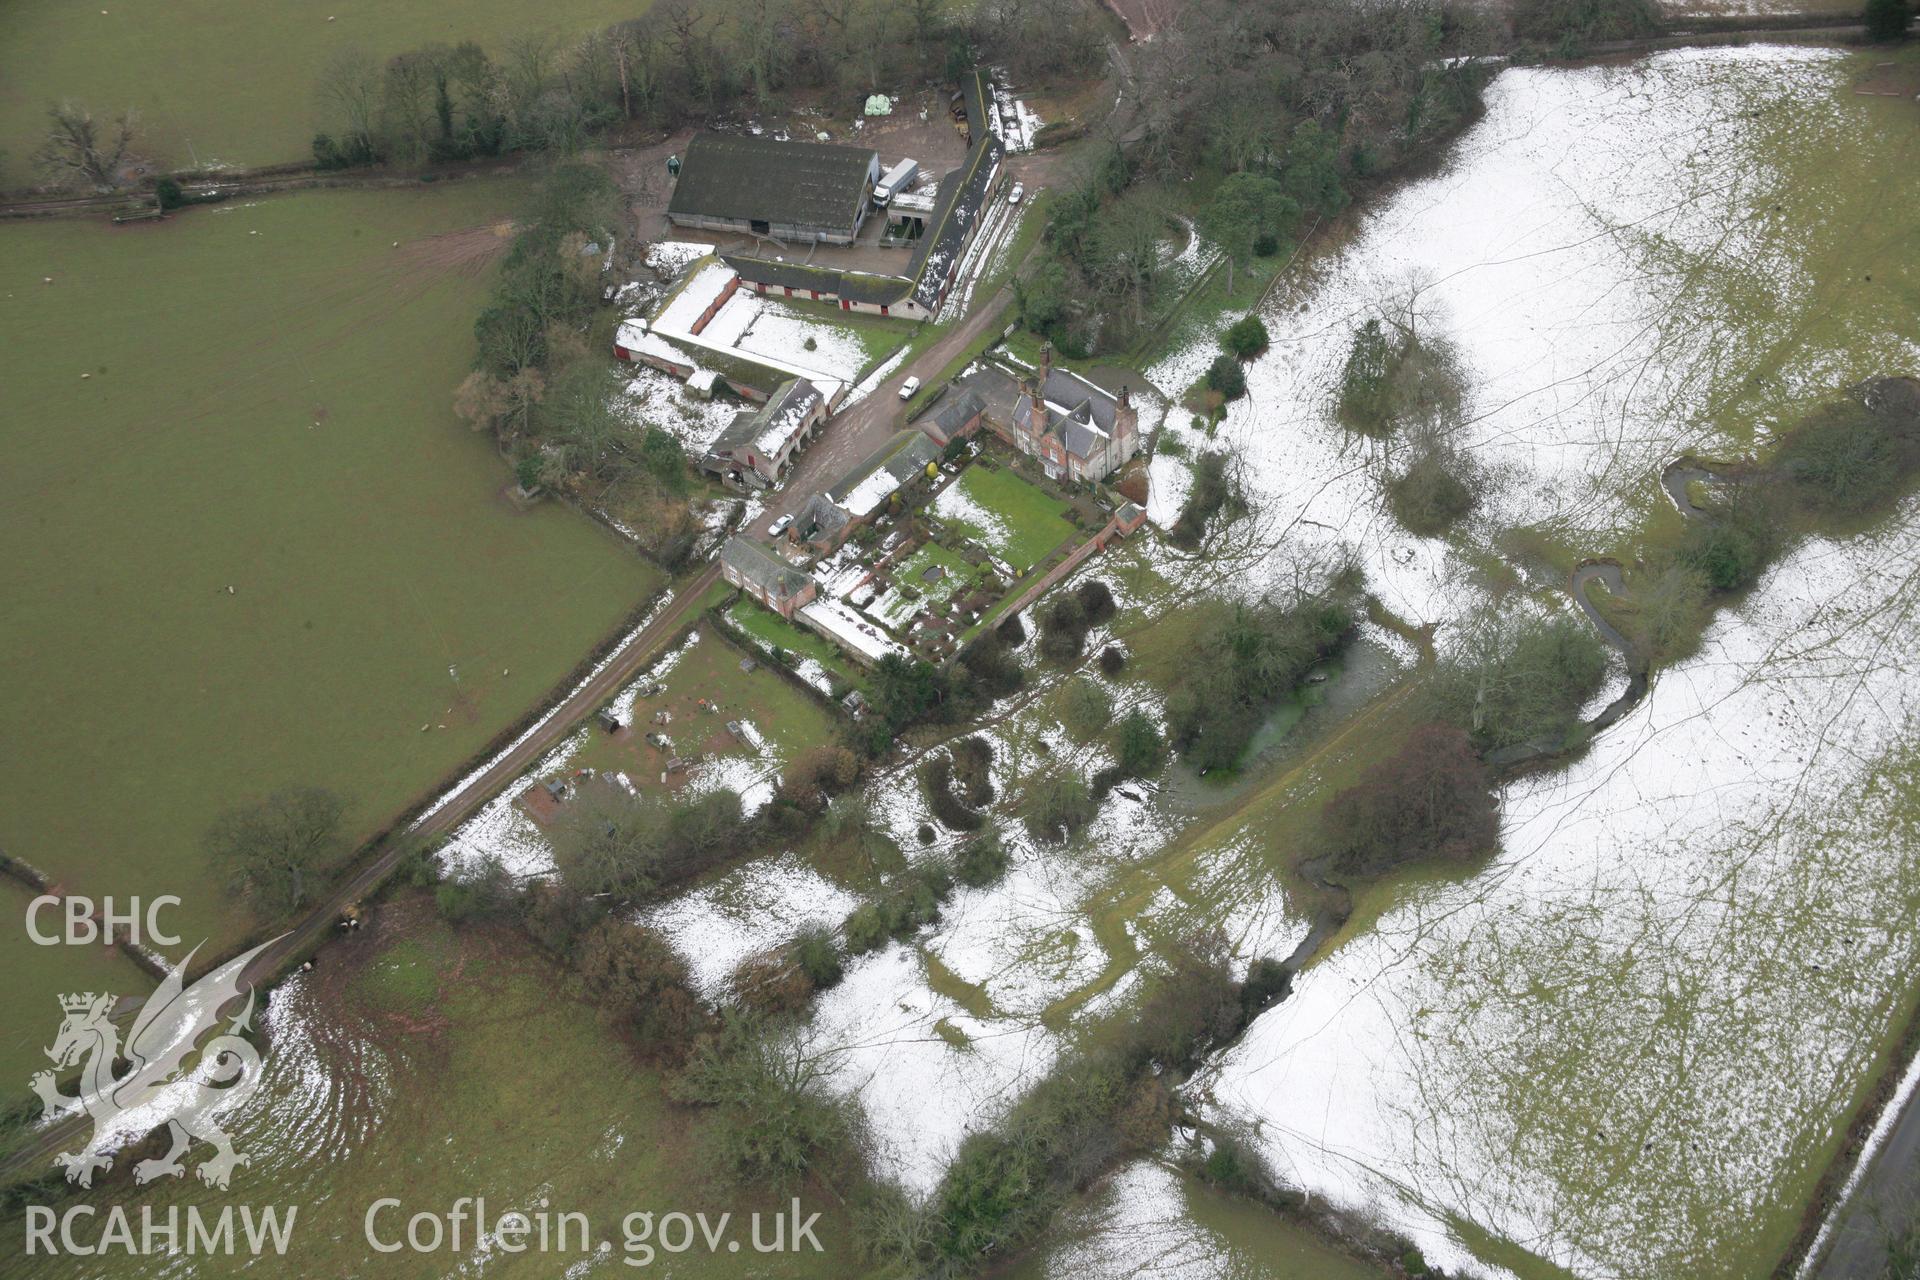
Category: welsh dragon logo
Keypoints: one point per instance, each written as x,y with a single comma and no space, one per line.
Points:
157,1087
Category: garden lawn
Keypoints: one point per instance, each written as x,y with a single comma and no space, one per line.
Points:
774,631
252,547
1010,516
226,82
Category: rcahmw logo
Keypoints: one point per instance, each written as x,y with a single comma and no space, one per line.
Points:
157,1088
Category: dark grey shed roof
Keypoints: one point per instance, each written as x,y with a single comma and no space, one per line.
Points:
957,410
746,179
758,566
956,210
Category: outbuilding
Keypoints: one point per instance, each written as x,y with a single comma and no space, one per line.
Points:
794,192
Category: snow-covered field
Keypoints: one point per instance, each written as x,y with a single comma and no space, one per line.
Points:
1665,992
1604,253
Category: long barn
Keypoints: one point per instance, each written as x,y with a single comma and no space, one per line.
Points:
795,192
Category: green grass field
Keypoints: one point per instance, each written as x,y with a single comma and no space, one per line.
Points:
29,1010
1032,521
264,407
223,81
425,1065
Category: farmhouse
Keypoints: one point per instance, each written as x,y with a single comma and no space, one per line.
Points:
760,443
774,583
795,192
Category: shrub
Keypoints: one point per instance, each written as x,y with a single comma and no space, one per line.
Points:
981,861
1246,658
1113,660
1246,337
866,929
1226,376
1063,627
1096,600
818,774
1056,807
936,775
990,664
1520,680
1430,495
1214,491
772,1116
972,762
815,951
1433,798
1138,748
1571,24
168,195
482,891
1732,549
1086,708
635,973
1887,19
771,984
1390,379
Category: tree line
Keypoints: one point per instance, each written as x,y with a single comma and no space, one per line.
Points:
679,62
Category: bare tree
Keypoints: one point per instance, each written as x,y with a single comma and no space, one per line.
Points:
81,151
348,94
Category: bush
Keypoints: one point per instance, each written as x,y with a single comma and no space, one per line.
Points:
1430,495
1138,748
1226,376
817,774
1246,338
1520,680
635,974
1569,25
1887,19
483,891
1063,627
1086,708
990,664
1113,660
1433,798
772,1115
770,984
168,195
1057,807
866,929
1730,550
1096,601
1247,657
1214,491
936,775
818,956
972,763
982,860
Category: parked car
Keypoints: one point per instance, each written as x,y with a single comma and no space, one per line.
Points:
1018,193
908,387
780,526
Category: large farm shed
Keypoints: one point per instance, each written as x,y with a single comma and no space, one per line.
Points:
796,192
